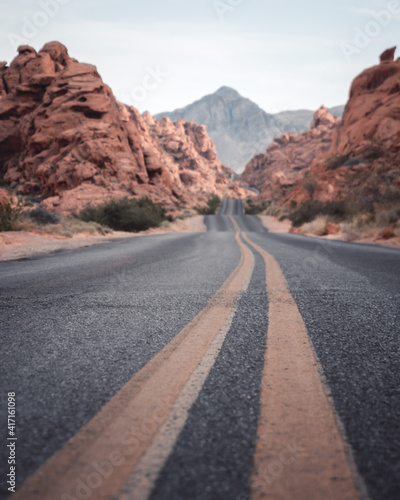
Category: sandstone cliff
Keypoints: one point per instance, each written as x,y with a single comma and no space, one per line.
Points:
363,162
65,138
289,157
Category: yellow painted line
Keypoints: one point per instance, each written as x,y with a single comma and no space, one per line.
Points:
146,471
300,453
108,456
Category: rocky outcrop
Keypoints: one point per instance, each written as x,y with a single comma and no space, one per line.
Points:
290,157
64,137
4,198
190,157
363,160
239,128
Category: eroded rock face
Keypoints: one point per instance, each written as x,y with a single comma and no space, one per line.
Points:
290,157
4,198
190,157
63,136
372,113
365,147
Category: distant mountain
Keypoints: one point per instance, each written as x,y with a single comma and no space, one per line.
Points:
337,111
239,128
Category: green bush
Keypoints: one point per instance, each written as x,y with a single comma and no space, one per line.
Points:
212,206
125,215
10,216
252,208
310,184
275,210
310,210
336,161
43,216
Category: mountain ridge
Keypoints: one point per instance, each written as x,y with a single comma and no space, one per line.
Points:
239,128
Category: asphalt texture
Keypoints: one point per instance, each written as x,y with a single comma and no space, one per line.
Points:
213,456
349,297
76,325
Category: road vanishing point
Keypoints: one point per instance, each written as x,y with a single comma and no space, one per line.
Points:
232,364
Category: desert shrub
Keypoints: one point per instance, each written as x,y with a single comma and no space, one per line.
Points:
10,217
373,152
391,195
31,201
131,215
309,185
212,206
310,210
353,162
336,161
253,208
316,227
43,216
213,203
274,210
387,217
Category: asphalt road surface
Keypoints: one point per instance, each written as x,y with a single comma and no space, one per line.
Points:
233,364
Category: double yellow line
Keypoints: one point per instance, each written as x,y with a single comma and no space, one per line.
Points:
119,453
300,451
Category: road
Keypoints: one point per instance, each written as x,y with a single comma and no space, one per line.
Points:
232,364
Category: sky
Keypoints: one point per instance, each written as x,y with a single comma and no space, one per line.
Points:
159,55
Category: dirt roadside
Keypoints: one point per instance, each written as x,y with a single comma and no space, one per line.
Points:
276,226
24,244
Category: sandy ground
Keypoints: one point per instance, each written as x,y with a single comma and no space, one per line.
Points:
275,226
24,244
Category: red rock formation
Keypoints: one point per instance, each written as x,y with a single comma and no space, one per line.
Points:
289,157
64,137
190,157
331,229
388,55
365,151
4,198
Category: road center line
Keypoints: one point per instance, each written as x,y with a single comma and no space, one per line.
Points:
118,443
300,452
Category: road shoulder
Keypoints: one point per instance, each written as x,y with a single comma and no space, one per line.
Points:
276,226
26,244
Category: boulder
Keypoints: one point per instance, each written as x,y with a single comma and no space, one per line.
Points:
331,229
